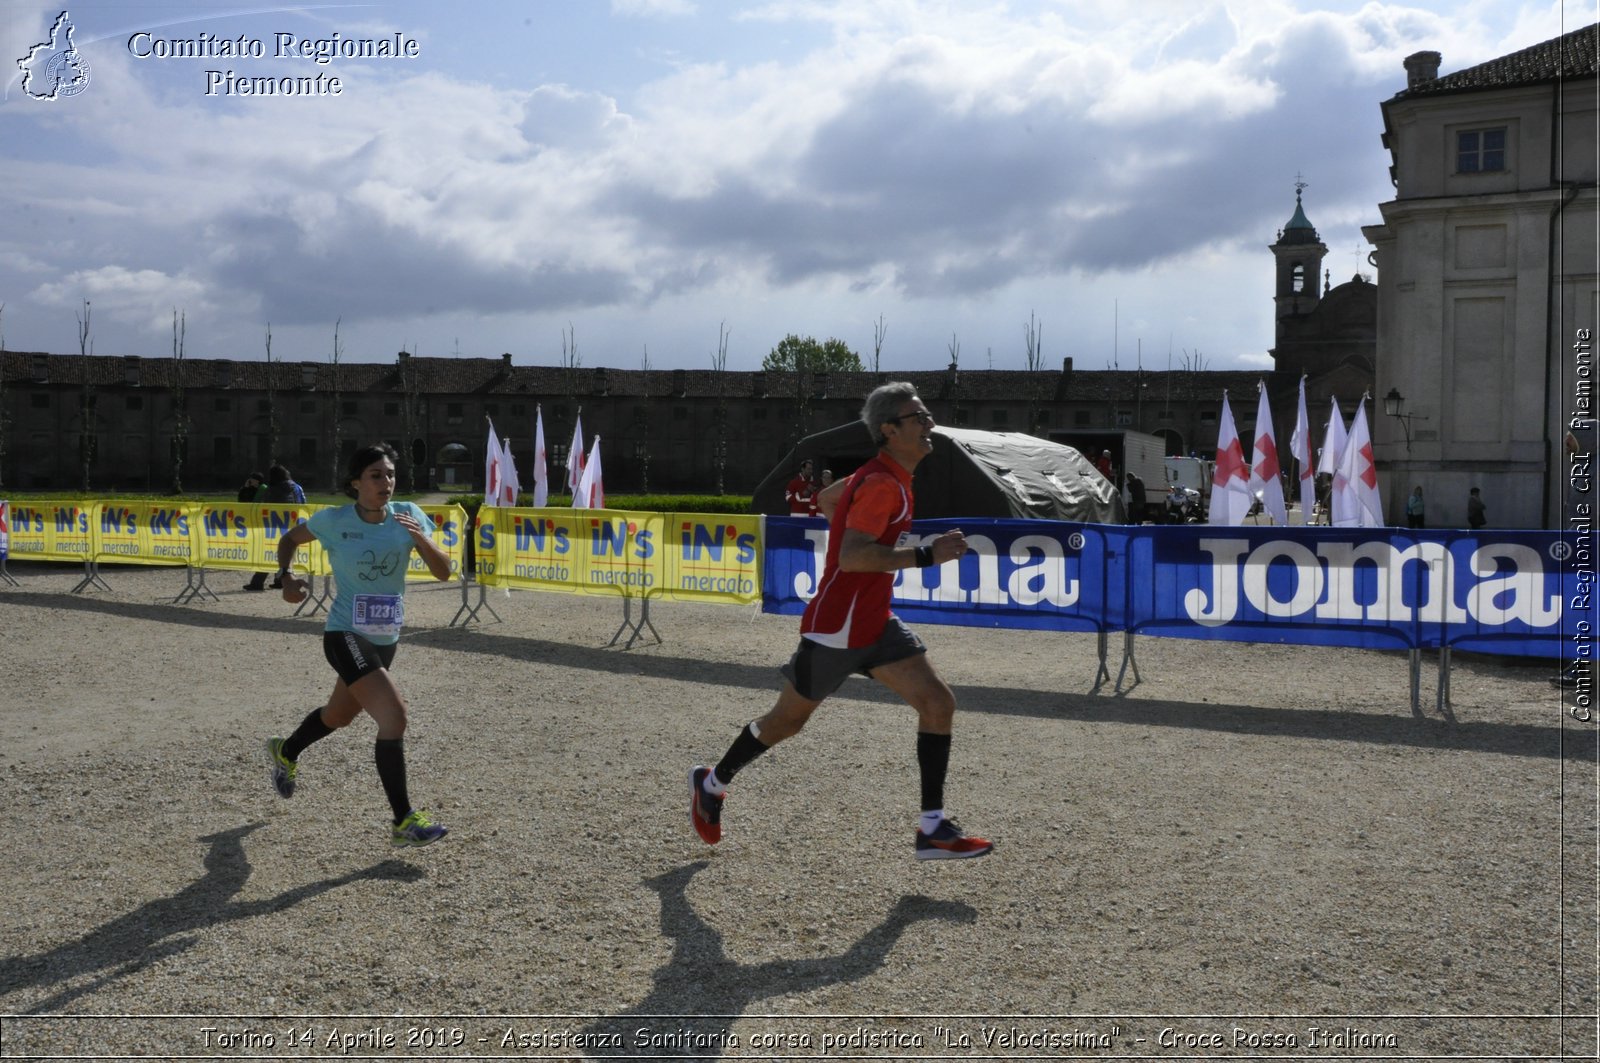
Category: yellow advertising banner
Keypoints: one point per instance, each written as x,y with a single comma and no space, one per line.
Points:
685,556
714,558
142,532
582,551
50,529
239,535
621,552
450,533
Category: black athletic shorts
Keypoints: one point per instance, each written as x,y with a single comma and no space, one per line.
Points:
353,656
817,670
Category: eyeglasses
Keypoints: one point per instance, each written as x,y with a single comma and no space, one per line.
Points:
923,418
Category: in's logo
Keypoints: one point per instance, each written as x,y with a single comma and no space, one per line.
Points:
55,68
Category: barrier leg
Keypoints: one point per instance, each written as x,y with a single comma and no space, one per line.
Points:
1128,659
194,585
1443,693
1102,672
635,629
5,577
91,578
467,605
1416,682
314,601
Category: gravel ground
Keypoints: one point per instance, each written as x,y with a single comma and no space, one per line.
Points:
1250,842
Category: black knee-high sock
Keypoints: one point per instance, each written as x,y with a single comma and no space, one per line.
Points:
933,758
745,748
390,753
311,729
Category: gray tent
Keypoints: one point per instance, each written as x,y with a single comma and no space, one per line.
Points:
969,474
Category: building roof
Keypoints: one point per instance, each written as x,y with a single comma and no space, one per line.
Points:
1572,55
496,379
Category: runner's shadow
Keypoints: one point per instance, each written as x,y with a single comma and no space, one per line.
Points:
170,925
700,979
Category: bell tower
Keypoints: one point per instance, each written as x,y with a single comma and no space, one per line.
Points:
1299,252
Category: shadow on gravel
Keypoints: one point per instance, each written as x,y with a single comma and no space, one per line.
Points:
162,928
699,991
1548,740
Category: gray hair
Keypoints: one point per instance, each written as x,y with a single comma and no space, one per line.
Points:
882,404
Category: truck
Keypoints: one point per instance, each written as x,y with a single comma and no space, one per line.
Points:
1137,452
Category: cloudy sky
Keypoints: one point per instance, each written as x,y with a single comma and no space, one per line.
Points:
639,174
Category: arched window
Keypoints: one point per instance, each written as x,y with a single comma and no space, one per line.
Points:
1297,278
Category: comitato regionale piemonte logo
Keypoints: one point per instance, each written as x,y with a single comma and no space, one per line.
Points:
55,68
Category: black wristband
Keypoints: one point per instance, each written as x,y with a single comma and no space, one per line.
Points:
924,556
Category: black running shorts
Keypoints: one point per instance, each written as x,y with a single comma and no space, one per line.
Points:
817,670
353,657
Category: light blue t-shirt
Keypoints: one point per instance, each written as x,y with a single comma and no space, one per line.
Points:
369,568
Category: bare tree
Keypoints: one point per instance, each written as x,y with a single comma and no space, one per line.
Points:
1033,336
719,368
644,426
2,397
87,438
272,403
180,401
338,435
879,331
571,362
411,414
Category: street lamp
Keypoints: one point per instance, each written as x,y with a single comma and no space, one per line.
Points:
1394,405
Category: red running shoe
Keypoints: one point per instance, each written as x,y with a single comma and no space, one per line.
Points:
948,843
705,811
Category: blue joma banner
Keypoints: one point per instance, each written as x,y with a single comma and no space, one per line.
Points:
1508,592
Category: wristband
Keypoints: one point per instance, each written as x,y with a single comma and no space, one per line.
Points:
924,556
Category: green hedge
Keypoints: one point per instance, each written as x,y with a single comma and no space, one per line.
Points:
644,503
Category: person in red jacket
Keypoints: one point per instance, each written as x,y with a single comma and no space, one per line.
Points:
848,627
801,493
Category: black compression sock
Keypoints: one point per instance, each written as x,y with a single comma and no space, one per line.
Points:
745,748
390,753
933,759
311,729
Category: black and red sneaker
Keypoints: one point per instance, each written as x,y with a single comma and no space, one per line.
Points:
948,843
705,810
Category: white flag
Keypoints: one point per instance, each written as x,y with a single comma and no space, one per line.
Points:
491,469
510,484
1357,479
541,474
575,455
591,492
1332,442
1230,497
1300,447
1264,470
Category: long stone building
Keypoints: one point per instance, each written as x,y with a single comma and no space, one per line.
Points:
115,421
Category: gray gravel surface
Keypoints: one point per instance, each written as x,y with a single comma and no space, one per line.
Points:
1251,841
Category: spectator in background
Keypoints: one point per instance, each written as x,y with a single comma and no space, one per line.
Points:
1475,510
1136,498
1103,465
281,490
253,488
801,492
1414,508
816,499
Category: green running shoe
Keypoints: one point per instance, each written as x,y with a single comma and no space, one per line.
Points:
283,769
416,829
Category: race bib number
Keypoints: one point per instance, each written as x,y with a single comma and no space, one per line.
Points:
377,614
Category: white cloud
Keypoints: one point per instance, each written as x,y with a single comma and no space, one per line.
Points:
932,154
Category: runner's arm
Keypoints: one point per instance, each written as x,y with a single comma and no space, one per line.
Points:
436,560
861,552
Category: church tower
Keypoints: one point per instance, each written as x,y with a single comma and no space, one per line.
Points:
1299,252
